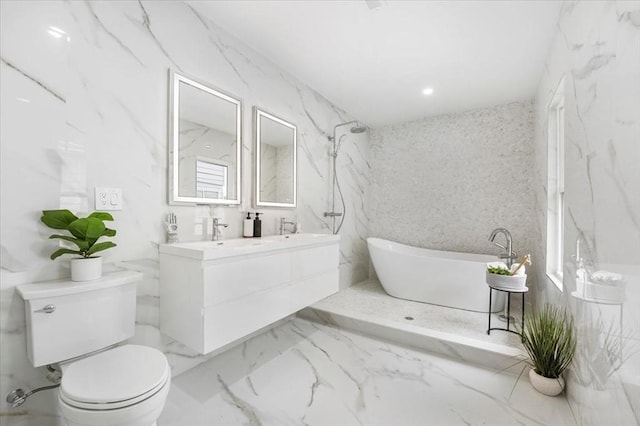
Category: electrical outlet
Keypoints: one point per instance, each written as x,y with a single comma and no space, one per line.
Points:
108,198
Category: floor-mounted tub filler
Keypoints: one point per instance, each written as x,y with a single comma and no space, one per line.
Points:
444,278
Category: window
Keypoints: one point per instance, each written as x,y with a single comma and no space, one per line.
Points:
211,180
555,186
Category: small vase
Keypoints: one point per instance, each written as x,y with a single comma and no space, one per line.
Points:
86,269
545,385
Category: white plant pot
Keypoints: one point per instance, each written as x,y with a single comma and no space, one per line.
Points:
612,293
545,385
507,282
86,269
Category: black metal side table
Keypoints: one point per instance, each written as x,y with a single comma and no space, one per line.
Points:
523,291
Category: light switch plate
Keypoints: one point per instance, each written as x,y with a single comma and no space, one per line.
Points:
108,198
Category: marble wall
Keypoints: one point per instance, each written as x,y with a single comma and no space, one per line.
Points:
276,173
446,182
268,173
84,104
284,175
597,50
99,94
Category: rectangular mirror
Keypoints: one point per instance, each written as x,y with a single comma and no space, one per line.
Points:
205,143
276,161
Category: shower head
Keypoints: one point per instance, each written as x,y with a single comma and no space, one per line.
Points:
355,128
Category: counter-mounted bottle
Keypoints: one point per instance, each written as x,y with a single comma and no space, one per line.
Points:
248,227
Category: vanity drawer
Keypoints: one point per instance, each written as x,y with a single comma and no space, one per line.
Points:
212,295
226,323
311,290
312,261
231,280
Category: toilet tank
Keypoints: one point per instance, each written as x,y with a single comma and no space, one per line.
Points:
67,319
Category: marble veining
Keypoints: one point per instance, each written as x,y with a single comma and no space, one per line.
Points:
304,373
35,80
110,69
597,50
89,108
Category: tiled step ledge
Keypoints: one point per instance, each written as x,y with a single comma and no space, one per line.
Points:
465,349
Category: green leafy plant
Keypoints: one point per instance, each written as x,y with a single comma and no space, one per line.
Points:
498,270
549,339
85,231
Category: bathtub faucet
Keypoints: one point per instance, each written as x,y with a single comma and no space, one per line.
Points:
509,254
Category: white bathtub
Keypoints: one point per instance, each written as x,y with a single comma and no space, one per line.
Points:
445,278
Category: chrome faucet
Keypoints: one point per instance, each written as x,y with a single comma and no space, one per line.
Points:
283,225
508,257
215,236
509,254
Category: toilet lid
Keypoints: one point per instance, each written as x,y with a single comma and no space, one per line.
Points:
115,376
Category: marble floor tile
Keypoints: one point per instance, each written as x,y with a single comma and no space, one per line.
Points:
305,373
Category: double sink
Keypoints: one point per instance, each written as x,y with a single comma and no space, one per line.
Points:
205,250
214,294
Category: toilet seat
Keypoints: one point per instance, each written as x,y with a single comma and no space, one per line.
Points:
115,378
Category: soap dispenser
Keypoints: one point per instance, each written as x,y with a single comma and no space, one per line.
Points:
257,226
248,227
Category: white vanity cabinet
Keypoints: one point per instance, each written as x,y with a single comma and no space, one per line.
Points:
214,293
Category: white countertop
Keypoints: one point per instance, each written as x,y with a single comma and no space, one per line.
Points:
206,250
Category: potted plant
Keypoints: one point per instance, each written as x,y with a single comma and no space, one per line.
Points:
85,233
499,276
549,339
603,286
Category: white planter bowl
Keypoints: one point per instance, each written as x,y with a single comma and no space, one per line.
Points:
86,269
608,293
545,385
507,282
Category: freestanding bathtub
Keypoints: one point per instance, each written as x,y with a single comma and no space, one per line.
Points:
445,278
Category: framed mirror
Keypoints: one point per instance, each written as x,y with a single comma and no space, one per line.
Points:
205,143
276,161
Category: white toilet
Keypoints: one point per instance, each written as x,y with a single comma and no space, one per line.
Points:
77,325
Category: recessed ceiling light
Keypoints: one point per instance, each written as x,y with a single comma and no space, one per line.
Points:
56,32
427,91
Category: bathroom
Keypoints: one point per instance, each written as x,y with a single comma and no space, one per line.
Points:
85,104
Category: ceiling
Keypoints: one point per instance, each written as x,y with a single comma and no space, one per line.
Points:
373,58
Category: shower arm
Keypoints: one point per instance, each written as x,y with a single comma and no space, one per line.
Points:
333,138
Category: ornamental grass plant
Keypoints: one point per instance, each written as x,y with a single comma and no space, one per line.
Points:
549,338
